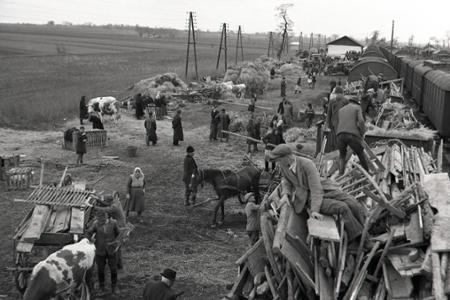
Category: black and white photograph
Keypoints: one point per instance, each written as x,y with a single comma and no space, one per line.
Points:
224,150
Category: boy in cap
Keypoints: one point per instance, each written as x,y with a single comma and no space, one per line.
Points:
189,169
303,188
252,213
161,290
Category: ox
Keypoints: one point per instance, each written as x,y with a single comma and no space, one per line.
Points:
61,272
109,106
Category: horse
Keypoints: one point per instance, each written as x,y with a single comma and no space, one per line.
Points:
227,184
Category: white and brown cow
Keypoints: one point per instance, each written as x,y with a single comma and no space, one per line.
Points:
109,106
61,270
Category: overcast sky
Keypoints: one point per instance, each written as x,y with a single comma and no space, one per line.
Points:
356,18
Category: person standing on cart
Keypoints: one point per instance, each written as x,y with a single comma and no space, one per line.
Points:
106,231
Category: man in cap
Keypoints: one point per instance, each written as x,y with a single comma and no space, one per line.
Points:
334,106
303,188
190,168
106,232
350,132
214,124
161,290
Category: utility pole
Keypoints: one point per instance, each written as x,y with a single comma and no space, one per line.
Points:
270,47
311,44
223,45
300,42
318,44
392,36
239,41
191,30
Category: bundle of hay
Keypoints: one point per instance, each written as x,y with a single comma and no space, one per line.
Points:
254,76
165,84
300,135
291,70
268,62
421,132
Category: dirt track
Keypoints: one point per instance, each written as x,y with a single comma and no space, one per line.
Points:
172,235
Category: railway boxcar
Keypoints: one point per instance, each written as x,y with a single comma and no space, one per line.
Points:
418,83
398,64
404,61
436,100
372,65
409,74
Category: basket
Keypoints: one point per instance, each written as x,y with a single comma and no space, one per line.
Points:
132,151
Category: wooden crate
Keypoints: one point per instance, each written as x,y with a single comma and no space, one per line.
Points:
7,162
95,138
18,178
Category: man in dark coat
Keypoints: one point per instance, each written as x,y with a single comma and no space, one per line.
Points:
214,124
283,87
189,168
83,110
139,106
350,132
224,124
332,115
150,128
106,232
161,290
251,132
177,128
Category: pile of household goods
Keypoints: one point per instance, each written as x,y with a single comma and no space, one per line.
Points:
402,252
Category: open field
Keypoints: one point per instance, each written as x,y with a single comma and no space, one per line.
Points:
39,87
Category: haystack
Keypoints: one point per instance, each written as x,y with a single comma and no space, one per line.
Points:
166,84
291,70
254,76
300,135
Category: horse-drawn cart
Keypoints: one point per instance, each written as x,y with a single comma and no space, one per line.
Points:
58,217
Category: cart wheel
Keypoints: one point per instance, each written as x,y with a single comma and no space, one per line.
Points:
21,280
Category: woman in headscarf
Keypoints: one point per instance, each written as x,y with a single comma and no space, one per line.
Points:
135,193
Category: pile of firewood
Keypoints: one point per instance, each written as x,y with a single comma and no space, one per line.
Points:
401,254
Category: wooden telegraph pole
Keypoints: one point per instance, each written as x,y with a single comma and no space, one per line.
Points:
392,36
270,47
223,45
319,44
300,42
311,44
239,45
191,30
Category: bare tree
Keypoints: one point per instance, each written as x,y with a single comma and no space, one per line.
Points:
285,26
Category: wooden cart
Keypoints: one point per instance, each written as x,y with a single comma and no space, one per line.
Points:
59,216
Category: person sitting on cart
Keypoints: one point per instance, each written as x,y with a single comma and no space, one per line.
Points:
106,231
112,206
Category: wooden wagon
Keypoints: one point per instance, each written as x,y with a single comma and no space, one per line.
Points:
95,138
59,216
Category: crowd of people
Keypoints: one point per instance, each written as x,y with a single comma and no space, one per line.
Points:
303,188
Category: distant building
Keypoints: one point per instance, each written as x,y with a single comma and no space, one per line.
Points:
342,45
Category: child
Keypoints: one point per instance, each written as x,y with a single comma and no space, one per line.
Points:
309,115
252,213
81,145
298,87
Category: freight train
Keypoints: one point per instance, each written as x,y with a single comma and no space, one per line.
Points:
427,82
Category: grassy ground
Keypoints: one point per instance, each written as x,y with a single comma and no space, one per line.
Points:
40,87
172,235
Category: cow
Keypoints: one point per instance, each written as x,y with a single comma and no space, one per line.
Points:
239,90
61,272
109,106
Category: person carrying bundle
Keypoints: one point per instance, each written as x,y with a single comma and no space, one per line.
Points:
305,191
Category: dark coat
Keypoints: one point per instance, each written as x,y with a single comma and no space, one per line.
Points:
83,110
272,138
150,127
214,119
280,109
81,143
96,121
283,88
177,128
139,107
104,235
251,131
189,167
158,291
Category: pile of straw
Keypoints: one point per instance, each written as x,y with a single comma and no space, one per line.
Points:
254,76
420,132
300,135
165,84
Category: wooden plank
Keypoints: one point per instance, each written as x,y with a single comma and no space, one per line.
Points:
438,288
437,187
300,263
271,283
326,286
62,214
440,237
267,234
37,223
414,232
77,221
239,283
397,286
280,231
244,257
24,247
324,229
